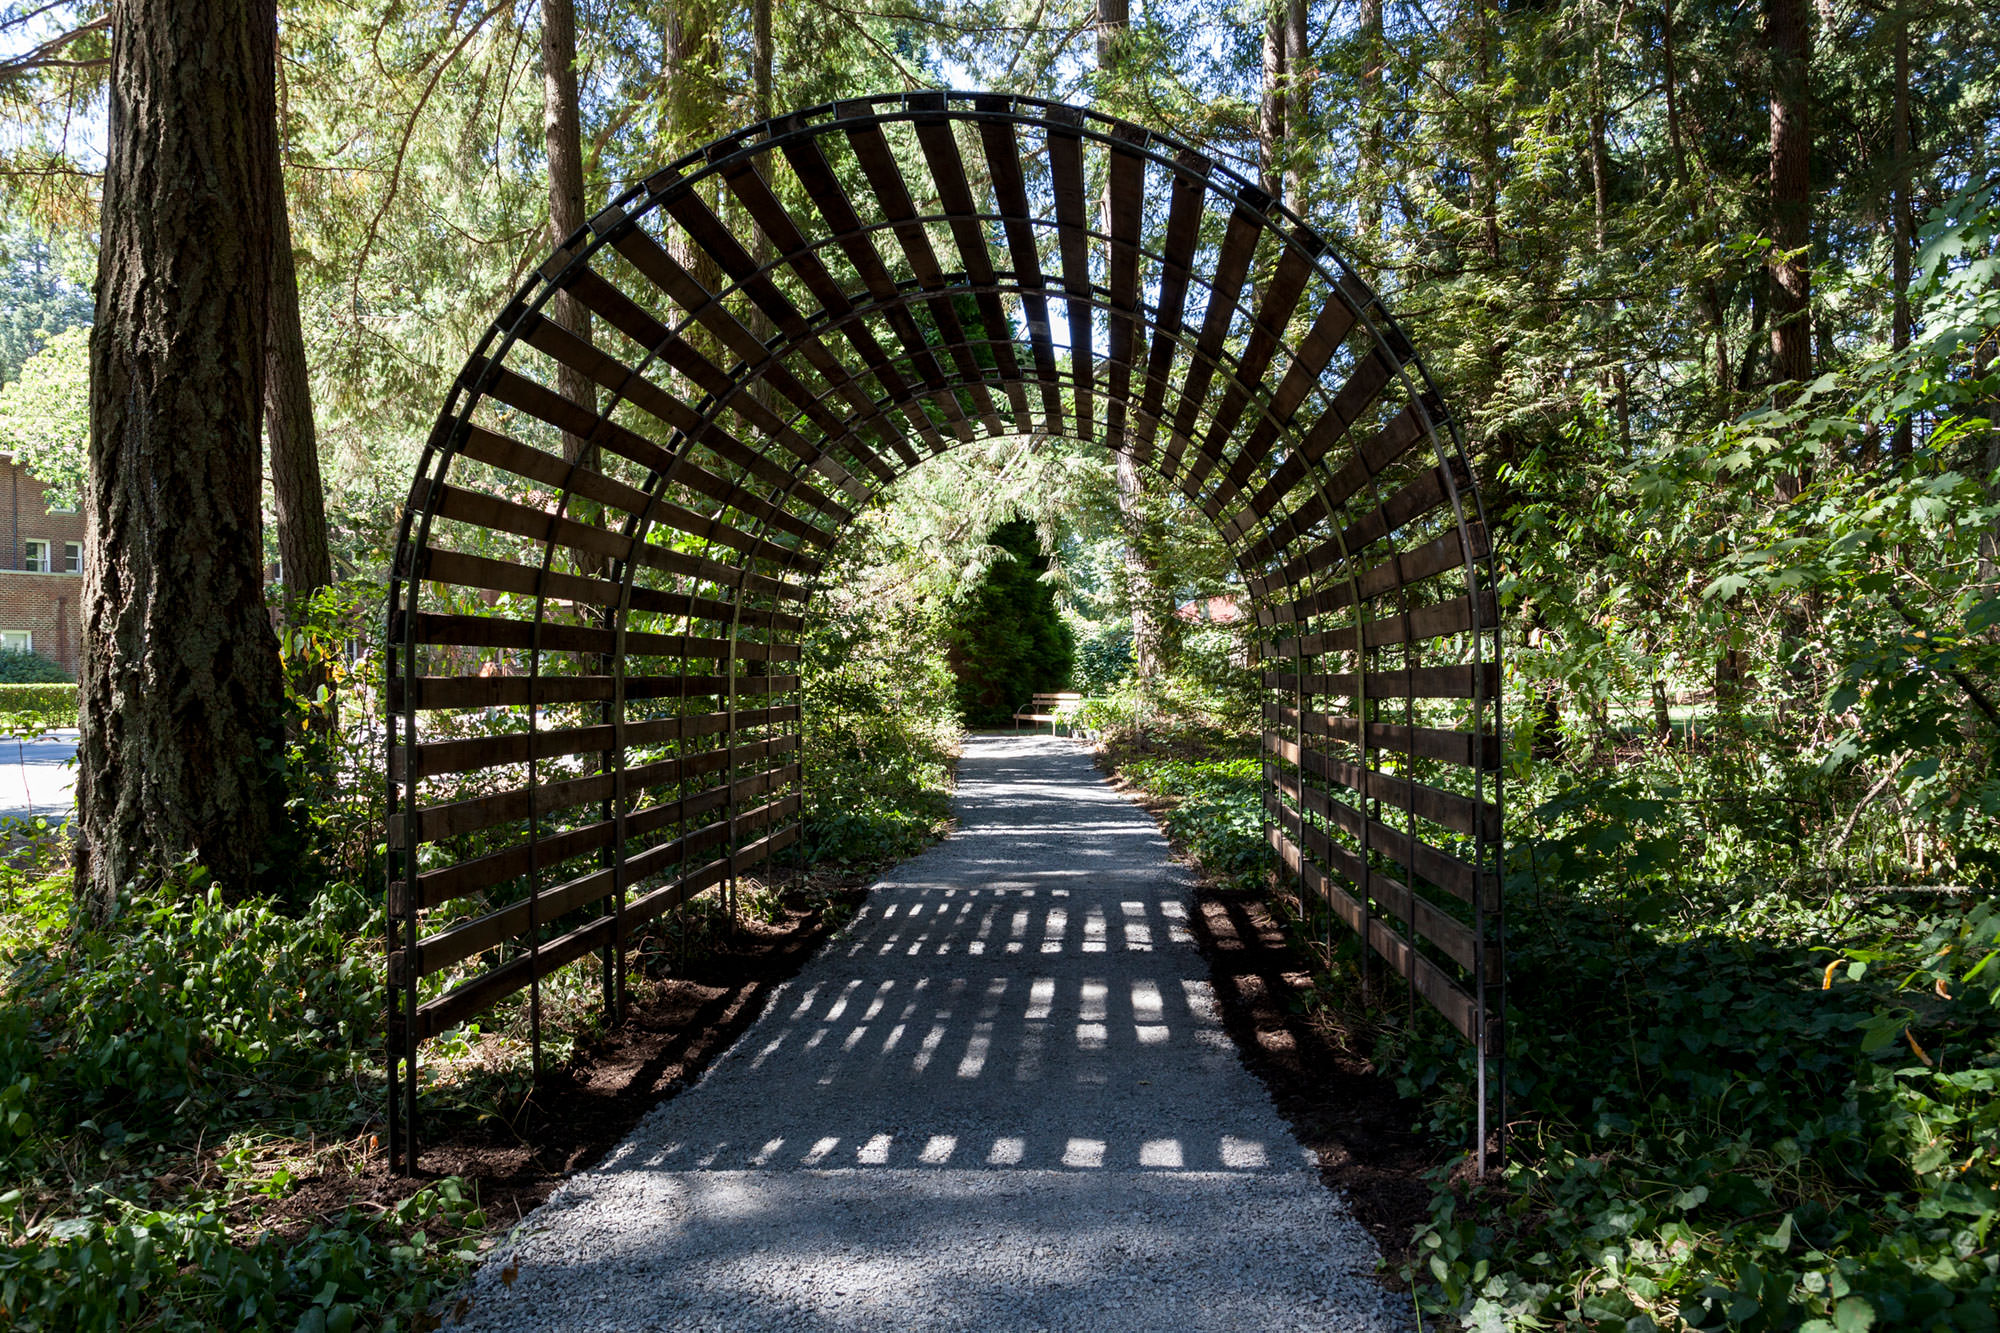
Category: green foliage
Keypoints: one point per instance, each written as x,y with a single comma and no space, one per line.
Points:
1007,641
182,1011
880,722
1709,1136
1103,656
33,709
186,1269
31,669
43,303
1218,811
182,998
45,416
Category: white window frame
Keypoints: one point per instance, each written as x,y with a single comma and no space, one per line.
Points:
72,565
35,556
26,644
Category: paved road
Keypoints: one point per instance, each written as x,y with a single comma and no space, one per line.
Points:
37,777
1002,1099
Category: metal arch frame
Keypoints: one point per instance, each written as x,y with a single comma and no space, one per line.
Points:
1289,535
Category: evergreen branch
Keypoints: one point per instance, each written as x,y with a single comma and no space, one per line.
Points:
403,146
47,55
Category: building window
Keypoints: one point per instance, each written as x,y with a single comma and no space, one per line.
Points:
61,507
72,557
17,641
36,560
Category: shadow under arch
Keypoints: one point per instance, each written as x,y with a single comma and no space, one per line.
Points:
614,529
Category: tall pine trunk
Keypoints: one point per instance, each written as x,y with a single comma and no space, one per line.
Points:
562,132
690,58
1271,110
1372,120
1788,43
763,57
761,54
181,691
1296,101
298,491
1899,218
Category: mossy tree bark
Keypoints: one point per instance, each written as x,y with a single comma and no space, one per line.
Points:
182,699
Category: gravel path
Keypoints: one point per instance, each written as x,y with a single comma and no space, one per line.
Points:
1001,1099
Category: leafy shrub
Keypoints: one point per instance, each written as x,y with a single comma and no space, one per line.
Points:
1219,813
1720,1132
184,1270
1103,656
880,732
184,997
31,669
184,1009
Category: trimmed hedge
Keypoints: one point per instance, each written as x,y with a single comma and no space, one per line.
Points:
37,706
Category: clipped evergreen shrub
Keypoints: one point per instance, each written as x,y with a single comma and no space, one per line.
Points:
1007,641
31,669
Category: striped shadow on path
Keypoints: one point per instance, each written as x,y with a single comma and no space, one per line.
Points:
1001,1099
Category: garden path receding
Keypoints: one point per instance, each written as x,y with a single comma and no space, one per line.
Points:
633,489
1001,1098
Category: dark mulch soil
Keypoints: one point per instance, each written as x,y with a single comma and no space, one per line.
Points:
674,1026
1342,1108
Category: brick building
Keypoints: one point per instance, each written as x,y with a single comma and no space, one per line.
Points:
41,570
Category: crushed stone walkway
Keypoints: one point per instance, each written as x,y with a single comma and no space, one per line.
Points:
1001,1099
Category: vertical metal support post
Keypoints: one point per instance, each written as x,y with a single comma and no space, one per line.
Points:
412,1132
616,759
1370,809
1481,952
1410,781
392,1034
1299,701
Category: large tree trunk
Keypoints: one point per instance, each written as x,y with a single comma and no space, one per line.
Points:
690,58
1271,110
1372,121
562,131
298,491
1600,189
1899,219
181,691
1296,54
1672,77
1113,17
1487,182
1788,42
761,54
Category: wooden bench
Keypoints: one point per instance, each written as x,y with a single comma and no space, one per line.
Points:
1055,709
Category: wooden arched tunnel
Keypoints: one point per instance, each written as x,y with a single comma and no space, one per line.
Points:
602,574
